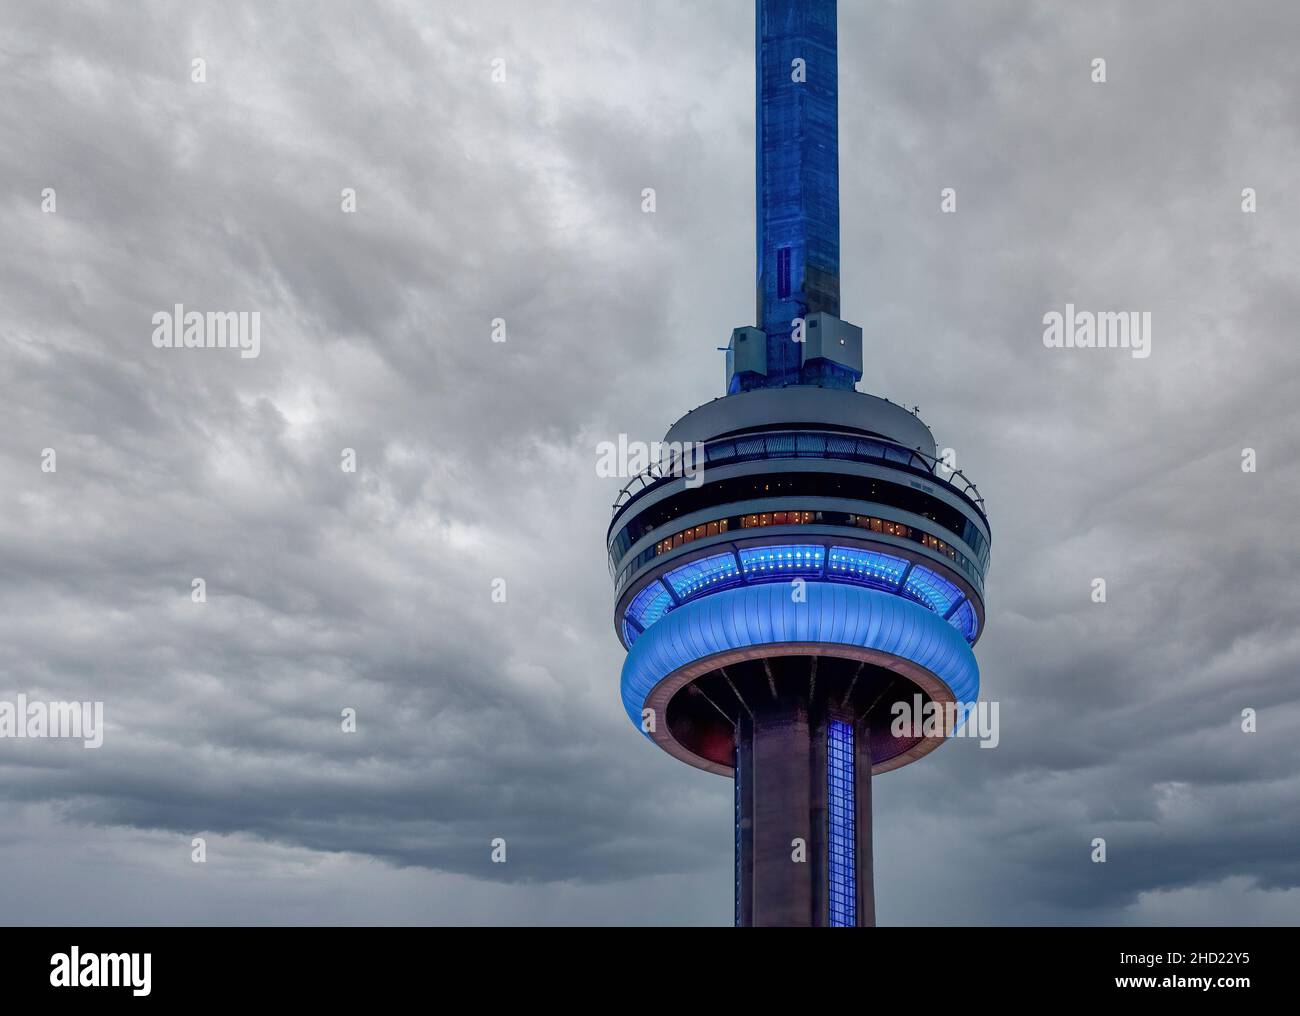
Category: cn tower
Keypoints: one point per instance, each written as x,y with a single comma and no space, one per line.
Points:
815,564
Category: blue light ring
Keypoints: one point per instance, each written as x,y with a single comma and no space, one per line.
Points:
946,574
834,613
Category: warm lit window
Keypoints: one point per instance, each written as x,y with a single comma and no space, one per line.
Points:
803,518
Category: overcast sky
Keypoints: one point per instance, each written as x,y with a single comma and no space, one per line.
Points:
476,460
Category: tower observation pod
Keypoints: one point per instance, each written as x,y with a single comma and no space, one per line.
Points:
806,562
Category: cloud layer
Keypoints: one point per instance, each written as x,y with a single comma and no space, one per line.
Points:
521,200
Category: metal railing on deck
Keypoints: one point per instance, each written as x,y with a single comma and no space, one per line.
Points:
796,444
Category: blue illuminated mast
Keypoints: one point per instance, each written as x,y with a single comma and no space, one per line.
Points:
798,184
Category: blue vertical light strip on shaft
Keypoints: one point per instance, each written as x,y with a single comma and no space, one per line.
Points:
797,186
841,808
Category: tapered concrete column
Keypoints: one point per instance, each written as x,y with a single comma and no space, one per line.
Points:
744,822
782,778
818,828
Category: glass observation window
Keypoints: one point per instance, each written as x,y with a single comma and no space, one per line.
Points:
649,605
932,590
707,573
853,565
791,560
872,567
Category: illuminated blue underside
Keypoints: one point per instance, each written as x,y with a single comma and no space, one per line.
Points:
766,614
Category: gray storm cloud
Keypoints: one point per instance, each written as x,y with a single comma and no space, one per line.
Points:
521,200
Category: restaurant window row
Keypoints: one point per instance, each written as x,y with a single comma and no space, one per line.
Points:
667,515
722,527
801,518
